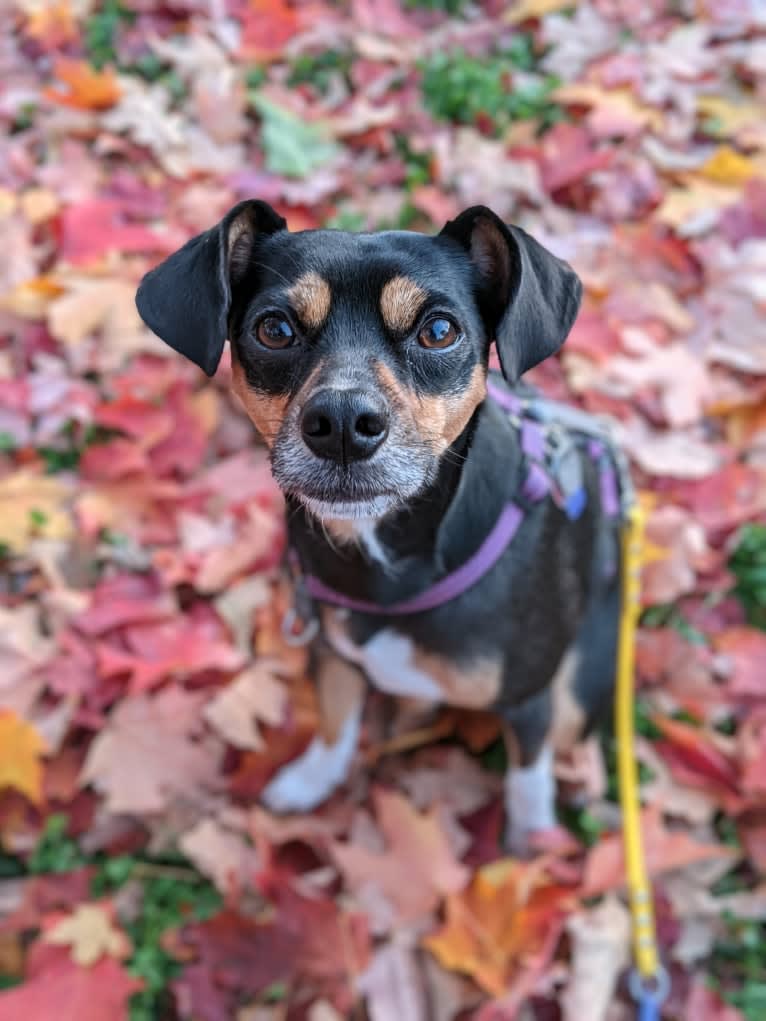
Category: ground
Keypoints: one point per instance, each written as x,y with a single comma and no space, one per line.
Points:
146,696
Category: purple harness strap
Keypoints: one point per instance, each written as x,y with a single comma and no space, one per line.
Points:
535,488
451,586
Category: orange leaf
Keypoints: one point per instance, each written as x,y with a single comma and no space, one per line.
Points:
20,750
505,917
86,88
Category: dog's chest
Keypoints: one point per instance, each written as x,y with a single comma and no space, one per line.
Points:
395,665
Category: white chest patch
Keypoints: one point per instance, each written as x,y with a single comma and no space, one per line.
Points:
387,660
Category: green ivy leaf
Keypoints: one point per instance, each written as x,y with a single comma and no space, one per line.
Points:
292,147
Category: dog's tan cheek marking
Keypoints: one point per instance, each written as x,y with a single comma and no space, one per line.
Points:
311,298
400,303
568,714
443,418
266,413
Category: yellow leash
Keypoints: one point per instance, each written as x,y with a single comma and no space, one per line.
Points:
649,982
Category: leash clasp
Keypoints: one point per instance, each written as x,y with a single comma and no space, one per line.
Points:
302,612
649,992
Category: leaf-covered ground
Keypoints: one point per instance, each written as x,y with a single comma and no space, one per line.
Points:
146,697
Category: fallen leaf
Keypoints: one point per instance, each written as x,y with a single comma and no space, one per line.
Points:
222,854
83,87
68,992
32,506
600,938
744,653
393,986
665,849
147,754
255,694
21,748
727,166
90,933
506,915
525,10
418,866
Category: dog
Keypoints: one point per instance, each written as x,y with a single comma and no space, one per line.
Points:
363,362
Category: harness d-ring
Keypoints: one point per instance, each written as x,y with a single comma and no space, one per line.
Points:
296,638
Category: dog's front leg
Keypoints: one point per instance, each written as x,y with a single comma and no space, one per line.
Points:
530,801
311,778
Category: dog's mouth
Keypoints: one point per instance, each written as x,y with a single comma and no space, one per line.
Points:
369,507
369,489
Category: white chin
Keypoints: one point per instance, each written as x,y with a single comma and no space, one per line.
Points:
348,509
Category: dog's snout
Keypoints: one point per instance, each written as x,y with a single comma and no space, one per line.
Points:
344,425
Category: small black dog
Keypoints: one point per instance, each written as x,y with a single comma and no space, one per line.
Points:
362,359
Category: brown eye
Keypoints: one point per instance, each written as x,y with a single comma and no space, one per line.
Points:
438,333
275,332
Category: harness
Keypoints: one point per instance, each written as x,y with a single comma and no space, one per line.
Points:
553,438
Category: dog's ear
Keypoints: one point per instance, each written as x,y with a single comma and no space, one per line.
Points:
186,299
528,297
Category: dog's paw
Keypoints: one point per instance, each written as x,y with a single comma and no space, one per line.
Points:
307,781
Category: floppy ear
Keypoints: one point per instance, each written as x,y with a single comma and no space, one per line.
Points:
528,296
186,299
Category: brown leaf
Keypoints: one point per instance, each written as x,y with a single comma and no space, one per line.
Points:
418,866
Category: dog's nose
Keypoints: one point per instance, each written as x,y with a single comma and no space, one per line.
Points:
344,425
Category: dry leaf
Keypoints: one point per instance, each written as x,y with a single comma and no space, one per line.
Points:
146,756
418,866
91,934
221,854
21,748
84,87
31,507
600,939
256,694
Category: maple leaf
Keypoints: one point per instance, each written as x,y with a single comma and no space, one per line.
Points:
418,866
255,694
103,307
268,26
600,950
31,508
146,756
220,853
56,987
90,932
665,849
505,917
744,650
21,747
84,87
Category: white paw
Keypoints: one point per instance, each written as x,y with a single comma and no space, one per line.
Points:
530,802
310,779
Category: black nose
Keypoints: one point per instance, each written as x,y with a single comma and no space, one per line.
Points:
344,425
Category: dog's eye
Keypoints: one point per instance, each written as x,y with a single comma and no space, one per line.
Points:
275,332
438,332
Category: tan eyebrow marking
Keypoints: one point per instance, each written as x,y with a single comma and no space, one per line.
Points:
400,302
311,296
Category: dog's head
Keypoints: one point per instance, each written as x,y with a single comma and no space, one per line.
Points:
360,357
